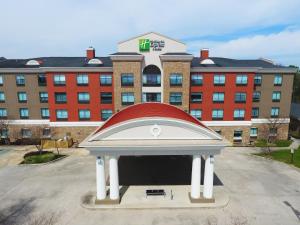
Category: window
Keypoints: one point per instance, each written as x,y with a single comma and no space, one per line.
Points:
20,80
277,80
3,113
105,114
127,79
42,80
237,135
24,113
82,80
83,97
255,112
106,97
175,79
239,114
59,80
26,133
217,114
106,80
257,80
151,97
1,80
175,98
197,113
46,132
84,114
218,131
219,80
60,97
43,97
274,112
196,97
256,96
127,98
4,132
218,97
22,97
276,95
273,131
253,132
196,80
240,97
45,113
241,80
151,80
2,96
61,114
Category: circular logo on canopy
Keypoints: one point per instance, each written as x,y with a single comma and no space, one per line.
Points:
155,130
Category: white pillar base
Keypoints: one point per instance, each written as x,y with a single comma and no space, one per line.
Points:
208,177
114,178
100,178
196,177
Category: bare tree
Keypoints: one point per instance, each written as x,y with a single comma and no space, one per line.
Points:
4,124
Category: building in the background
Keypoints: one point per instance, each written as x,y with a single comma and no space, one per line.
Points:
73,95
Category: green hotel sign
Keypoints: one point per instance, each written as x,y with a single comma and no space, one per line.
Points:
146,44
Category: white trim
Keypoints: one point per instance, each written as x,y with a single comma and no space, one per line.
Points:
264,120
28,122
77,124
227,123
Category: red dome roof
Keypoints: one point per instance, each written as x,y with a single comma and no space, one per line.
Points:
149,110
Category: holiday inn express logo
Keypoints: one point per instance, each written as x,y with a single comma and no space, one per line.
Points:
144,45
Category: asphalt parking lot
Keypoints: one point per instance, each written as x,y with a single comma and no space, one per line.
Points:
261,192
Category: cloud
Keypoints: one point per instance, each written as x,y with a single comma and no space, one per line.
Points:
282,47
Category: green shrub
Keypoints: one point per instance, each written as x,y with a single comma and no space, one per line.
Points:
261,143
283,143
43,157
295,134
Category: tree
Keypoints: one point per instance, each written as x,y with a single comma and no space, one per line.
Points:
4,124
296,86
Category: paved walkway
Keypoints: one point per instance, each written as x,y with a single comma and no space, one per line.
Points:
261,191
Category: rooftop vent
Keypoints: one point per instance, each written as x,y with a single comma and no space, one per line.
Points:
95,62
33,62
207,62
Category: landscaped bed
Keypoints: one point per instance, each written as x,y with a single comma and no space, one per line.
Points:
37,157
283,156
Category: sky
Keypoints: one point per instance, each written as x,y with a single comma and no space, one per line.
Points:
242,29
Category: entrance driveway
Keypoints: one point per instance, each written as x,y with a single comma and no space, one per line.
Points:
261,192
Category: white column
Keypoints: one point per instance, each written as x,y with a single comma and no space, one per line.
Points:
196,177
114,178
208,177
100,178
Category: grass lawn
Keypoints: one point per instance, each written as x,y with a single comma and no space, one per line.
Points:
283,156
36,157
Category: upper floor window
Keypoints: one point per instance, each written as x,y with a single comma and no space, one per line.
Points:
60,97
219,79
24,113
239,114
197,113
240,97
20,80
256,96
83,97
217,114
106,79
1,80
42,80
22,97
277,80
196,79
106,97
241,80
175,98
151,80
45,113
257,80
196,97
84,114
218,97
175,79
105,114
255,112
3,113
82,79
127,98
44,97
127,79
253,132
276,95
59,80
2,96
274,112
62,114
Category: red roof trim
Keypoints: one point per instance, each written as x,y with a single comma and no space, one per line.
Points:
143,110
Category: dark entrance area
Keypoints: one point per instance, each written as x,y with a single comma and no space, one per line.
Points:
158,170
